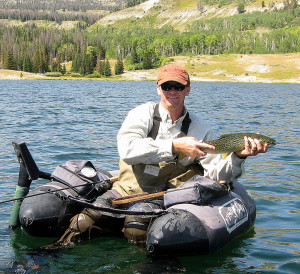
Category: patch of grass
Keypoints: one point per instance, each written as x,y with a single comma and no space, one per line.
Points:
149,20
281,75
208,64
184,4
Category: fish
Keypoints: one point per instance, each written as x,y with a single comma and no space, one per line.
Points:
233,142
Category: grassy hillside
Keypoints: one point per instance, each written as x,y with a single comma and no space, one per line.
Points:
180,13
152,13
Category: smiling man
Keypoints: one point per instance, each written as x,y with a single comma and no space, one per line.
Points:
158,143
160,147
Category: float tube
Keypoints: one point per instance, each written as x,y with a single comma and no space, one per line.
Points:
183,228
202,229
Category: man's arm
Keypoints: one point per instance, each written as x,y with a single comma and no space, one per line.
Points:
133,144
230,168
190,146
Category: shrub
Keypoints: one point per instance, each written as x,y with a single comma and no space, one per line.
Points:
93,75
53,74
75,74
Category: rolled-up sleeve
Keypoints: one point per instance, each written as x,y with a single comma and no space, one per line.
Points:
218,168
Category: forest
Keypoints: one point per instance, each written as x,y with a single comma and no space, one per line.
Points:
41,50
89,11
70,5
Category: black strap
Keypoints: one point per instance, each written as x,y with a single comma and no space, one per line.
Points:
156,122
186,124
157,119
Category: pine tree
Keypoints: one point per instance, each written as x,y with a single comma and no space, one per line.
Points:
134,57
88,64
63,69
54,66
106,69
99,65
27,64
119,67
8,61
36,63
76,63
147,61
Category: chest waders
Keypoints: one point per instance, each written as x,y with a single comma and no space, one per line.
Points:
132,180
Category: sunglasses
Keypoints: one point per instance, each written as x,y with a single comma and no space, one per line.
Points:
168,87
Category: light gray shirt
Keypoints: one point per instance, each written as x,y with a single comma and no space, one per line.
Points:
135,147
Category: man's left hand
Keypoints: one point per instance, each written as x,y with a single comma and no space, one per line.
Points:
252,148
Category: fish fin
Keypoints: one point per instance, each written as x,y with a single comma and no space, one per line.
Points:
225,155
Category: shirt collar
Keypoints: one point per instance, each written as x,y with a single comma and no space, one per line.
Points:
165,116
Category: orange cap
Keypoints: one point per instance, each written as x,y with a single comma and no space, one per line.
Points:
173,72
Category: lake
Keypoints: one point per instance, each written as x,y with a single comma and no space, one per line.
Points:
63,120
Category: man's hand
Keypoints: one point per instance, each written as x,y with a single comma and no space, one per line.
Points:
190,146
252,148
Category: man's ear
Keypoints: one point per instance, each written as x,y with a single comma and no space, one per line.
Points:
187,91
158,90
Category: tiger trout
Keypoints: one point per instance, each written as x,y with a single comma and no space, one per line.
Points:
235,141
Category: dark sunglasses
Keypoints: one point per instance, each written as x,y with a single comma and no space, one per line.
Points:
168,87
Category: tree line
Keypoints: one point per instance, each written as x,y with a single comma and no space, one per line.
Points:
70,5
132,3
27,15
41,50
59,11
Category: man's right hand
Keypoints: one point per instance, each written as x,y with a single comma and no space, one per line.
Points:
190,146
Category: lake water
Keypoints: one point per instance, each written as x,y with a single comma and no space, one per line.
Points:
63,120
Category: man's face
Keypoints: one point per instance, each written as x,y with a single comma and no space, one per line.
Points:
172,94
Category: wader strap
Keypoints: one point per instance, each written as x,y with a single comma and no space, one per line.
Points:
156,122
157,119
186,124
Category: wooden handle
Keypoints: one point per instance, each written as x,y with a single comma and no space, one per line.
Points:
137,197
114,179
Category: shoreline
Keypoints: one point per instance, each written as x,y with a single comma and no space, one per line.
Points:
140,76
243,68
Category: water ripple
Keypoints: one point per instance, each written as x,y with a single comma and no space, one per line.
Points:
63,120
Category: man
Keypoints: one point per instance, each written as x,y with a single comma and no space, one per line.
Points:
160,147
141,154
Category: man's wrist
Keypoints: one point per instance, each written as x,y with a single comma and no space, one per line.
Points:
240,157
